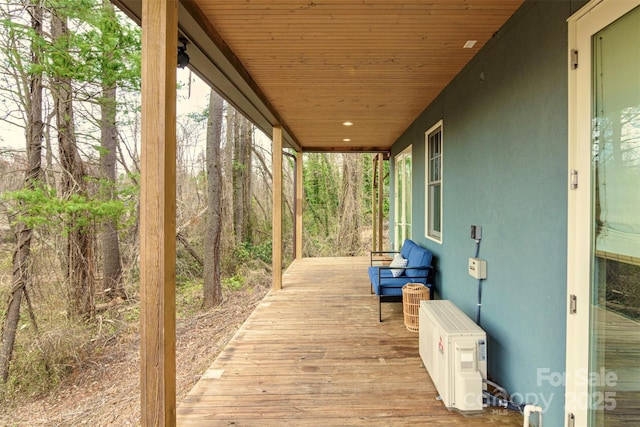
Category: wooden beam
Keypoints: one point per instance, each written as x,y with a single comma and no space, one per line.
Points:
299,201
157,213
277,208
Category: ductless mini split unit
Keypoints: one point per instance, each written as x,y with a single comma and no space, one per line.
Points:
454,351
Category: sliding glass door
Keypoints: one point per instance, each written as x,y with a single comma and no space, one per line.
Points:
603,320
615,307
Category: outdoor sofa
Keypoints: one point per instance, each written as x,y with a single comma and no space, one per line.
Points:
412,264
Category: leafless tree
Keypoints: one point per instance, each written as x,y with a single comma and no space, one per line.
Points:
212,288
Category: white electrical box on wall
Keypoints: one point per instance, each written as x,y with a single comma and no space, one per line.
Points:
477,268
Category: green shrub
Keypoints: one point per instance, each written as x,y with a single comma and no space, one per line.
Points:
188,297
42,361
234,283
247,251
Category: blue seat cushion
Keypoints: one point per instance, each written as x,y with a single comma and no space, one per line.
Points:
407,246
391,285
419,256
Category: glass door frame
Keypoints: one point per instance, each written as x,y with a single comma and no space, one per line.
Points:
585,23
403,193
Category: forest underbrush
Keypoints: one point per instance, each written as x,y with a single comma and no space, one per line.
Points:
88,373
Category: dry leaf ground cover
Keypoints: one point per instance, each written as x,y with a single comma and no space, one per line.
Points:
104,389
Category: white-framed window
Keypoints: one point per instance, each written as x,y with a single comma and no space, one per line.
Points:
433,211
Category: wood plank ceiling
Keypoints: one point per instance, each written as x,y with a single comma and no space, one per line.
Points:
375,63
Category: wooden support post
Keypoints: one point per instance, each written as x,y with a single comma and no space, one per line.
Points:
277,208
380,196
374,204
299,201
157,213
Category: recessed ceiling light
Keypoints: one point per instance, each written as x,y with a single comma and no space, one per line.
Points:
470,43
347,123
346,139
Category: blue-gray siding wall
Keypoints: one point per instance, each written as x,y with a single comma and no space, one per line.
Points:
505,169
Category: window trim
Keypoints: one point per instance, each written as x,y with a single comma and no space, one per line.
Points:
428,230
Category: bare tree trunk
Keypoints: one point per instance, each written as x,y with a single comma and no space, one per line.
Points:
247,181
350,210
242,178
237,179
80,239
228,235
34,127
48,174
212,289
180,238
112,266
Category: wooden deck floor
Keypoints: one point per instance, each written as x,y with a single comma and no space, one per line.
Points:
315,354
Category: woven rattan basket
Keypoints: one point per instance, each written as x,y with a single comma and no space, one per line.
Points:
412,294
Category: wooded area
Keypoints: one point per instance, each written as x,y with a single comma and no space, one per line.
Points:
70,81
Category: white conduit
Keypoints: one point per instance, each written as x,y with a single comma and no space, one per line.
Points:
528,410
